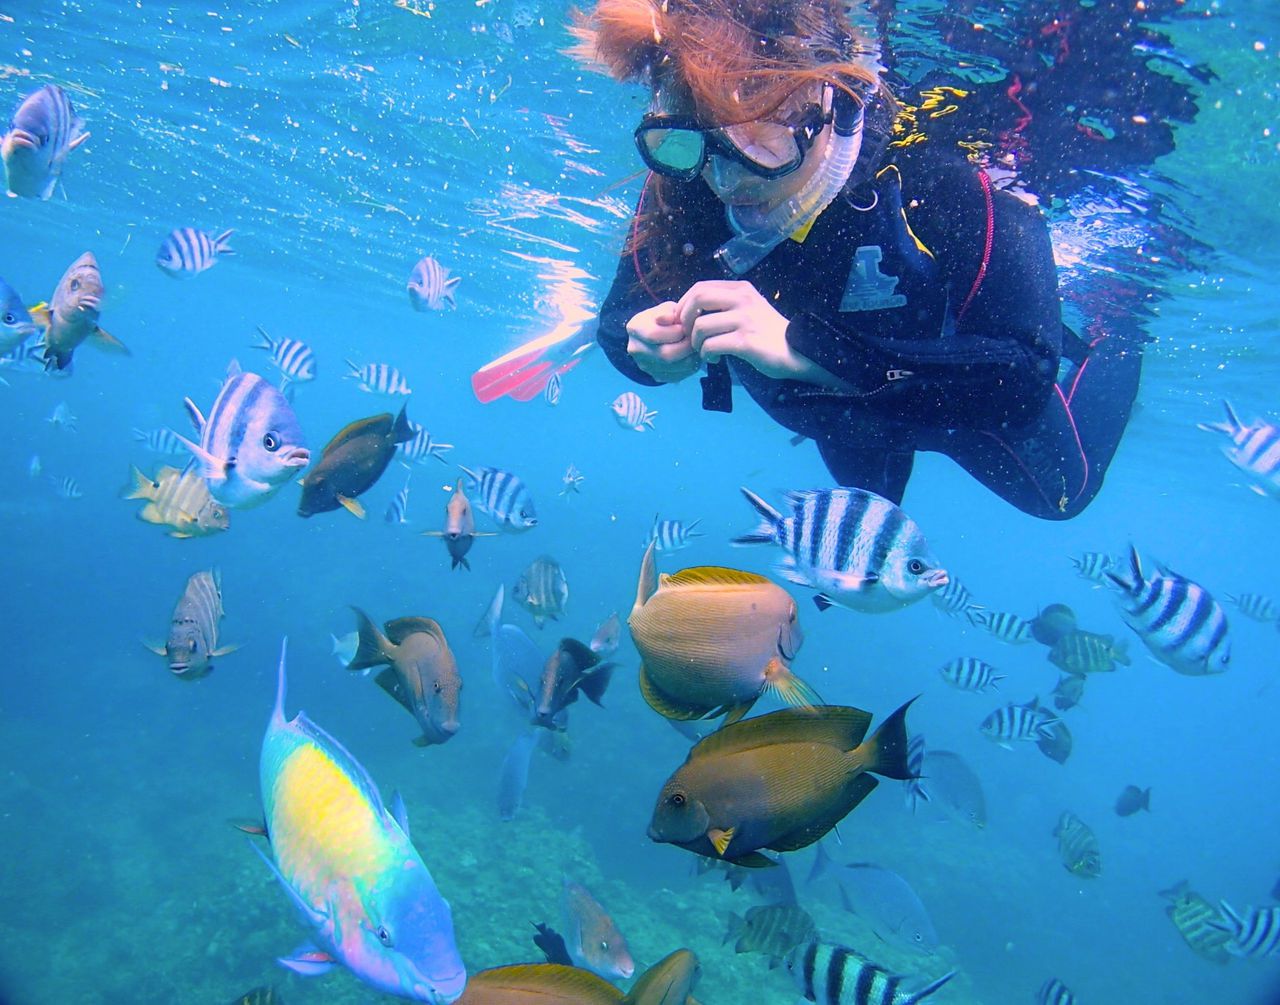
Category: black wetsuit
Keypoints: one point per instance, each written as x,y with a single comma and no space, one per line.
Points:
935,298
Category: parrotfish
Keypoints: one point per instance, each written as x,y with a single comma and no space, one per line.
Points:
72,315
592,939
251,445
351,463
44,129
348,865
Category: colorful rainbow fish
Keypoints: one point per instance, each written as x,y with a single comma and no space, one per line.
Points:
349,866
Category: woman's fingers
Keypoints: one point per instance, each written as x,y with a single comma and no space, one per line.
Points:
711,295
728,344
715,323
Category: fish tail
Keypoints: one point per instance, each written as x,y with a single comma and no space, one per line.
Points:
220,244
647,585
1131,582
277,713
766,531
267,342
1146,799
594,683
372,648
928,989
403,431
885,751
821,863
787,687
1230,427
354,368
143,487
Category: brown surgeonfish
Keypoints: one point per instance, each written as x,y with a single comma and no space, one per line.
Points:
670,981
352,462
459,530
778,781
192,644
712,640
421,673
71,316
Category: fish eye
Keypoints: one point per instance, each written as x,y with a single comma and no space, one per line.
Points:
10,318
676,799
75,284
383,935
915,567
271,441
604,945
438,687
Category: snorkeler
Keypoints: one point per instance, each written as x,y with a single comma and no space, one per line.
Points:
880,298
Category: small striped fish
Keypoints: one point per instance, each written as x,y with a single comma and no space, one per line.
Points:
160,441
1005,626
1094,565
62,417
1077,847
1254,449
954,599
631,413
28,357
551,393
772,930
1254,932
66,487
834,975
43,130
179,500
1054,992
504,497
855,547
542,589
188,252
430,286
420,446
968,673
1200,924
672,535
192,644
1082,652
294,359
1255,605
572,480
378,378
1021,723
1178,620
398,508
916,792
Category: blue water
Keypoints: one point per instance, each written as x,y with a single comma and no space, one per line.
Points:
343,141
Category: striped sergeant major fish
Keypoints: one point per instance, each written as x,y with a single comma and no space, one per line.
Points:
1255,605
251,445
571,480
828,974
293,358
503,496
378,378
62,417
1254,932
954,599
915,791
551,393
1254,449
346,862
672,535
431,287
192,644
43,131
1094,566
1054,992
160,441
1003,625
15,320
66,487
398,508
631,413
1018,723
968,673
1178,620
188,252
856,548
1077,847
1198,922
420,446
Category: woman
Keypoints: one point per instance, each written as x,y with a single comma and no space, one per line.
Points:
877,296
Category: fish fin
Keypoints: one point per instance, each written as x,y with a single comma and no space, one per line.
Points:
399,813
1135,579
735,712
822,602
664,704
41,314
766,531
648,419
833,725
830,815
224,651
267,343
308,961
402,431
715,575
885,751
180,535
220,243
821,863
787,687
400,629
258,828
1146,799
594,682
372,648
109,343
79,139
928,989
648,583
143,487
314,917
389,681
352,506
720,838
159,650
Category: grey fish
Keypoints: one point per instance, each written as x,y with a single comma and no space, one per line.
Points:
73,313
504,497
459,532
1255,931
1017,723
1081,652
542,589
1052,623
772,930
187,251
431,287
351,464
883,899
1132,799
1054,992
15,320
605,639
828,974
954,787
1068,691
193,631
43,131
514,776
1055,742
1077,847
855,547
1198,922
1178,620
517,665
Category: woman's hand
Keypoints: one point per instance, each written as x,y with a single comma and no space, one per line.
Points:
725,318
660,346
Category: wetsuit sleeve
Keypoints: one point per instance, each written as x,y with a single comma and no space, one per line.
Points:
625,299
998,365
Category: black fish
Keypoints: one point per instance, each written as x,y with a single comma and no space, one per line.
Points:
1133,799
1055,742
552,944
1052,623
259,996
573,667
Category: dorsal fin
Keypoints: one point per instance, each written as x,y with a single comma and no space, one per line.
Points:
360,427
401,628
715,575
838,725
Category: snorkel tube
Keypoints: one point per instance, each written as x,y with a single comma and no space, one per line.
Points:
756,239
